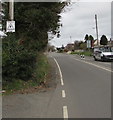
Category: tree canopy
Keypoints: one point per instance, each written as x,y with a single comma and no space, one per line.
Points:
103,40
33,22
91,38
86,37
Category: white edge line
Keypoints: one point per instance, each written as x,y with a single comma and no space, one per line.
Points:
61,78
65,112
94,65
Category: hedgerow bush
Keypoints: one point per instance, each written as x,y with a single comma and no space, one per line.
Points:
20,49
18,63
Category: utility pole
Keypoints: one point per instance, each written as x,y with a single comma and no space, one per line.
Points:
96,29
0,15
11,10
0,11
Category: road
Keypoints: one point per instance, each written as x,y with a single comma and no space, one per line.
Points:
86,85
83,90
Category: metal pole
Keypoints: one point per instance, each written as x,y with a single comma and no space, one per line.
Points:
0,11
0,16
11,10
96,29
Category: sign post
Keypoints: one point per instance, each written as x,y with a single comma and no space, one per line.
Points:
10,26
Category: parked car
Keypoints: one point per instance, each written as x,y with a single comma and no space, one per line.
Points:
103,53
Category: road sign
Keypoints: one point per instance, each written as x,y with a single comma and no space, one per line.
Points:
88,43
10,27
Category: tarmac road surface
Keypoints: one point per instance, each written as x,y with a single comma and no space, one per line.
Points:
83,90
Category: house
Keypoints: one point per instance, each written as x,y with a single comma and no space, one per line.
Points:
70,47
95,43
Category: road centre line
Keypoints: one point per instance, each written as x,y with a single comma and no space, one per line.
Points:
65,112
61,78
94,65
63,94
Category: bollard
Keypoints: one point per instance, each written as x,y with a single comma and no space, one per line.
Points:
81,56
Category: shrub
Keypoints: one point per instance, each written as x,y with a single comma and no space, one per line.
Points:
18,63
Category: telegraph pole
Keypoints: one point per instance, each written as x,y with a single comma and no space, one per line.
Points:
0,16
11,10
0,11
96,29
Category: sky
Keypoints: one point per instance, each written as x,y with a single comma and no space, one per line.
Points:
78,19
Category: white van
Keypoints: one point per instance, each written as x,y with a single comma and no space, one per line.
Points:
103,53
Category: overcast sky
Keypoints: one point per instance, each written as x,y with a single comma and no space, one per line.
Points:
79,20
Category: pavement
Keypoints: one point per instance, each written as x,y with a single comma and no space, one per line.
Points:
33,105
81,89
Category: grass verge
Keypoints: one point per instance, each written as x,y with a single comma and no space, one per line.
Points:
39,76
86,53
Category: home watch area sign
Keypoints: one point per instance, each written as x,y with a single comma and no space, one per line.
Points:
10,26
88,43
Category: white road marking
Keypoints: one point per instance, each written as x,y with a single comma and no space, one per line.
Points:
61,78
63,94
65,112
94,65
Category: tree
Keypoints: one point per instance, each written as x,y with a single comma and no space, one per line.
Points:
63,47
86,37
83,46
33,22
51,48
92,40
103,40
76,45
79,45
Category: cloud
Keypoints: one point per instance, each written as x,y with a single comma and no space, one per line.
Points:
91,0
80,20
